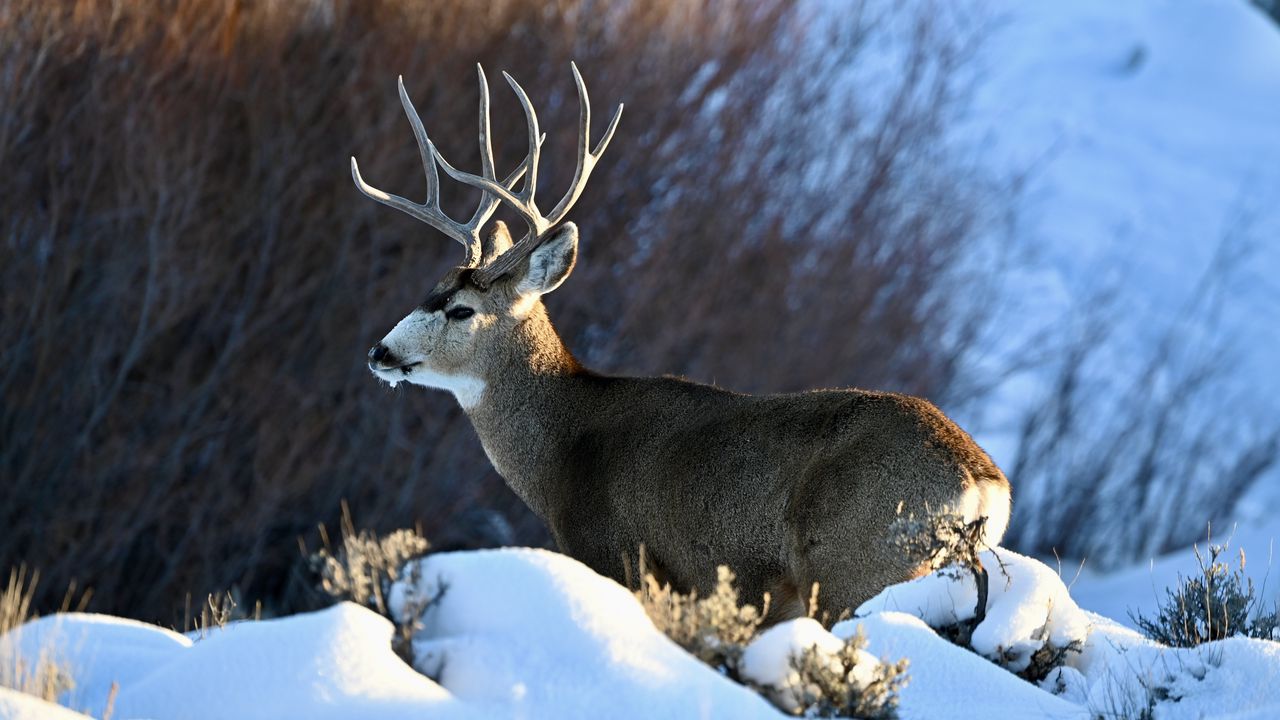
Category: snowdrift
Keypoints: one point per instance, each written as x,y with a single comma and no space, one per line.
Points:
530,633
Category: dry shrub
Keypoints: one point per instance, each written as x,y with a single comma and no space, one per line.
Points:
362,569
1218,603
839,686
189,282
218,611
714,629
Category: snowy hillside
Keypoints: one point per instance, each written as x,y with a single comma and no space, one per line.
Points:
529,633
1147,132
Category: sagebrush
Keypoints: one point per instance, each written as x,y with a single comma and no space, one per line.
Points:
717,629
714,628
363,567
1217,603
362,570
841,685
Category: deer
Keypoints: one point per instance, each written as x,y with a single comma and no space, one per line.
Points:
793,492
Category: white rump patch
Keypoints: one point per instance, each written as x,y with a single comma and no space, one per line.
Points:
996,505
992,501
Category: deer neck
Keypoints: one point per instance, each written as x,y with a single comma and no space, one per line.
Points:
525,417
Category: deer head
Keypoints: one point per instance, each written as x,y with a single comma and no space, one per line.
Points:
468,319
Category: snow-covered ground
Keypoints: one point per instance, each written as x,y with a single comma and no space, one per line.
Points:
533,634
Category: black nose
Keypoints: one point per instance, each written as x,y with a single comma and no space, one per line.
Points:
378,352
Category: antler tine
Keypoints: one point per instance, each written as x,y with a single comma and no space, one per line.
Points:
535,147
424,145
586,158
522,202
468,234
489,202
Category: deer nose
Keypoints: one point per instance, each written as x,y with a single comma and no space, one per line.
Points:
378,353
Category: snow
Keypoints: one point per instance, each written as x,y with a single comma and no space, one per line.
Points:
1027,606
16,706
949,681
337,661
98,650
1229,677
530,633
533,633
516,633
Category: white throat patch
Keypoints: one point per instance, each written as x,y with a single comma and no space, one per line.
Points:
468,390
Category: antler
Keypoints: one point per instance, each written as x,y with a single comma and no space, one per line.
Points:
429,212
523,201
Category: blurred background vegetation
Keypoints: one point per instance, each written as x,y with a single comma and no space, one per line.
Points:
189,281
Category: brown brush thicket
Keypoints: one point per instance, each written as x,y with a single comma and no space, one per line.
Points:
189,282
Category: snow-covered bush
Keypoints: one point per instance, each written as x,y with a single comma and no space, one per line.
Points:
1030,626
949,544
1218,603
954,548
799,666
805,670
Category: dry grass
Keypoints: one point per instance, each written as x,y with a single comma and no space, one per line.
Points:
189,282
45,676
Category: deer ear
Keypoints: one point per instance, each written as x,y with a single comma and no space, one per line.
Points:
550,264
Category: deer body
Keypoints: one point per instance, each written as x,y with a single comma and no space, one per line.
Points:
787,490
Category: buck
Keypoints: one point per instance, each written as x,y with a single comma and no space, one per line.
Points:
787,490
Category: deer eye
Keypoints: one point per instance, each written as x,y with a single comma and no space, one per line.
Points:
460,313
